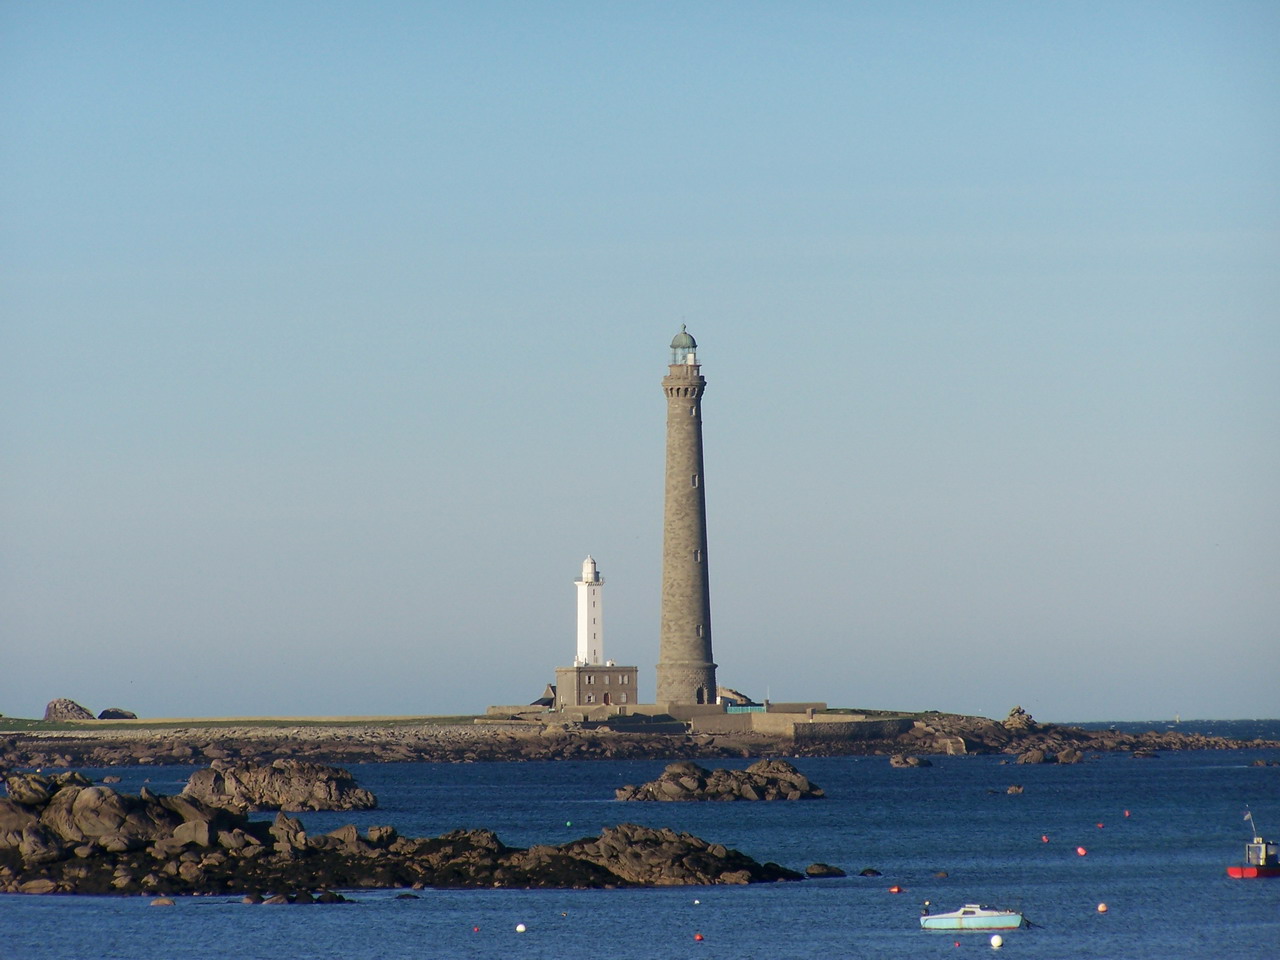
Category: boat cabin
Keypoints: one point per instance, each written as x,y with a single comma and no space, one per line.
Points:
1260,853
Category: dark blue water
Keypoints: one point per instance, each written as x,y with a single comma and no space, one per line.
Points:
1161,870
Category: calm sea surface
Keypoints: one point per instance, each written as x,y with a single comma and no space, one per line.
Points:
1160,870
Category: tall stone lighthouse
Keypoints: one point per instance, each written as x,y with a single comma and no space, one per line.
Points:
686,673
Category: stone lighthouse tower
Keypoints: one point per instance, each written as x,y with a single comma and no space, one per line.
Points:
686,673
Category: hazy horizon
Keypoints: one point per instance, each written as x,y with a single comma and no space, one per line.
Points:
333,338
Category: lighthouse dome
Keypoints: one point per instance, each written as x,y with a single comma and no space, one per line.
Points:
684,348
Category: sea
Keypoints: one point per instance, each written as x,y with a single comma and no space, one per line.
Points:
1148,838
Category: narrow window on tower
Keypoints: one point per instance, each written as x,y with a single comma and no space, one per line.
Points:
624,698
693,411
697,556
695,480
699,629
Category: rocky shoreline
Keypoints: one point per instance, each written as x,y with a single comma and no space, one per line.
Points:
459,743
65,835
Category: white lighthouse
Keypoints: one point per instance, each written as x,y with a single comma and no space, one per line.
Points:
590,615
593,688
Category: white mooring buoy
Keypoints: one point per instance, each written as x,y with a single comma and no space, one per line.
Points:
997,941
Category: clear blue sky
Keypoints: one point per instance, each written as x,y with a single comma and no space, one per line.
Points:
333,332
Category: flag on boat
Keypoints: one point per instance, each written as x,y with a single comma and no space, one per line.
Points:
1248,814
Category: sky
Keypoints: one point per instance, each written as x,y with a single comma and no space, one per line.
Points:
331,340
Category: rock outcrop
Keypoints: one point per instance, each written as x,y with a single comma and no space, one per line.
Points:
117,713
48,819
64,709
67,838
763,780
643,856
1019,720
823,870
292,785
1036,756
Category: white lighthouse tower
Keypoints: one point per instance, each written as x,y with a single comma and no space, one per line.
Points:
593,688
590,615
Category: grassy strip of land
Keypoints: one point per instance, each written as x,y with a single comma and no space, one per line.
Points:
18,725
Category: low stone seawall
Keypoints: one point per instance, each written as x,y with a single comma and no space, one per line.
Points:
800,727
852,730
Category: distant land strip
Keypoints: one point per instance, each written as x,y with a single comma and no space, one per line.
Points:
13,725
347,740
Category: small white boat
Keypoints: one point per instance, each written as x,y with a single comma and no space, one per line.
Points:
973,916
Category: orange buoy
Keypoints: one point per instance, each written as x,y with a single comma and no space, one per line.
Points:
697,936
1081,851
1102,908
1126,813
895,889
1099,826
1044,838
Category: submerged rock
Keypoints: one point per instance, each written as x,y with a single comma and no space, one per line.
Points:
903,761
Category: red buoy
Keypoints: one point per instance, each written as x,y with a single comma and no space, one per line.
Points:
1081,851
895,889
697,936
1044,838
